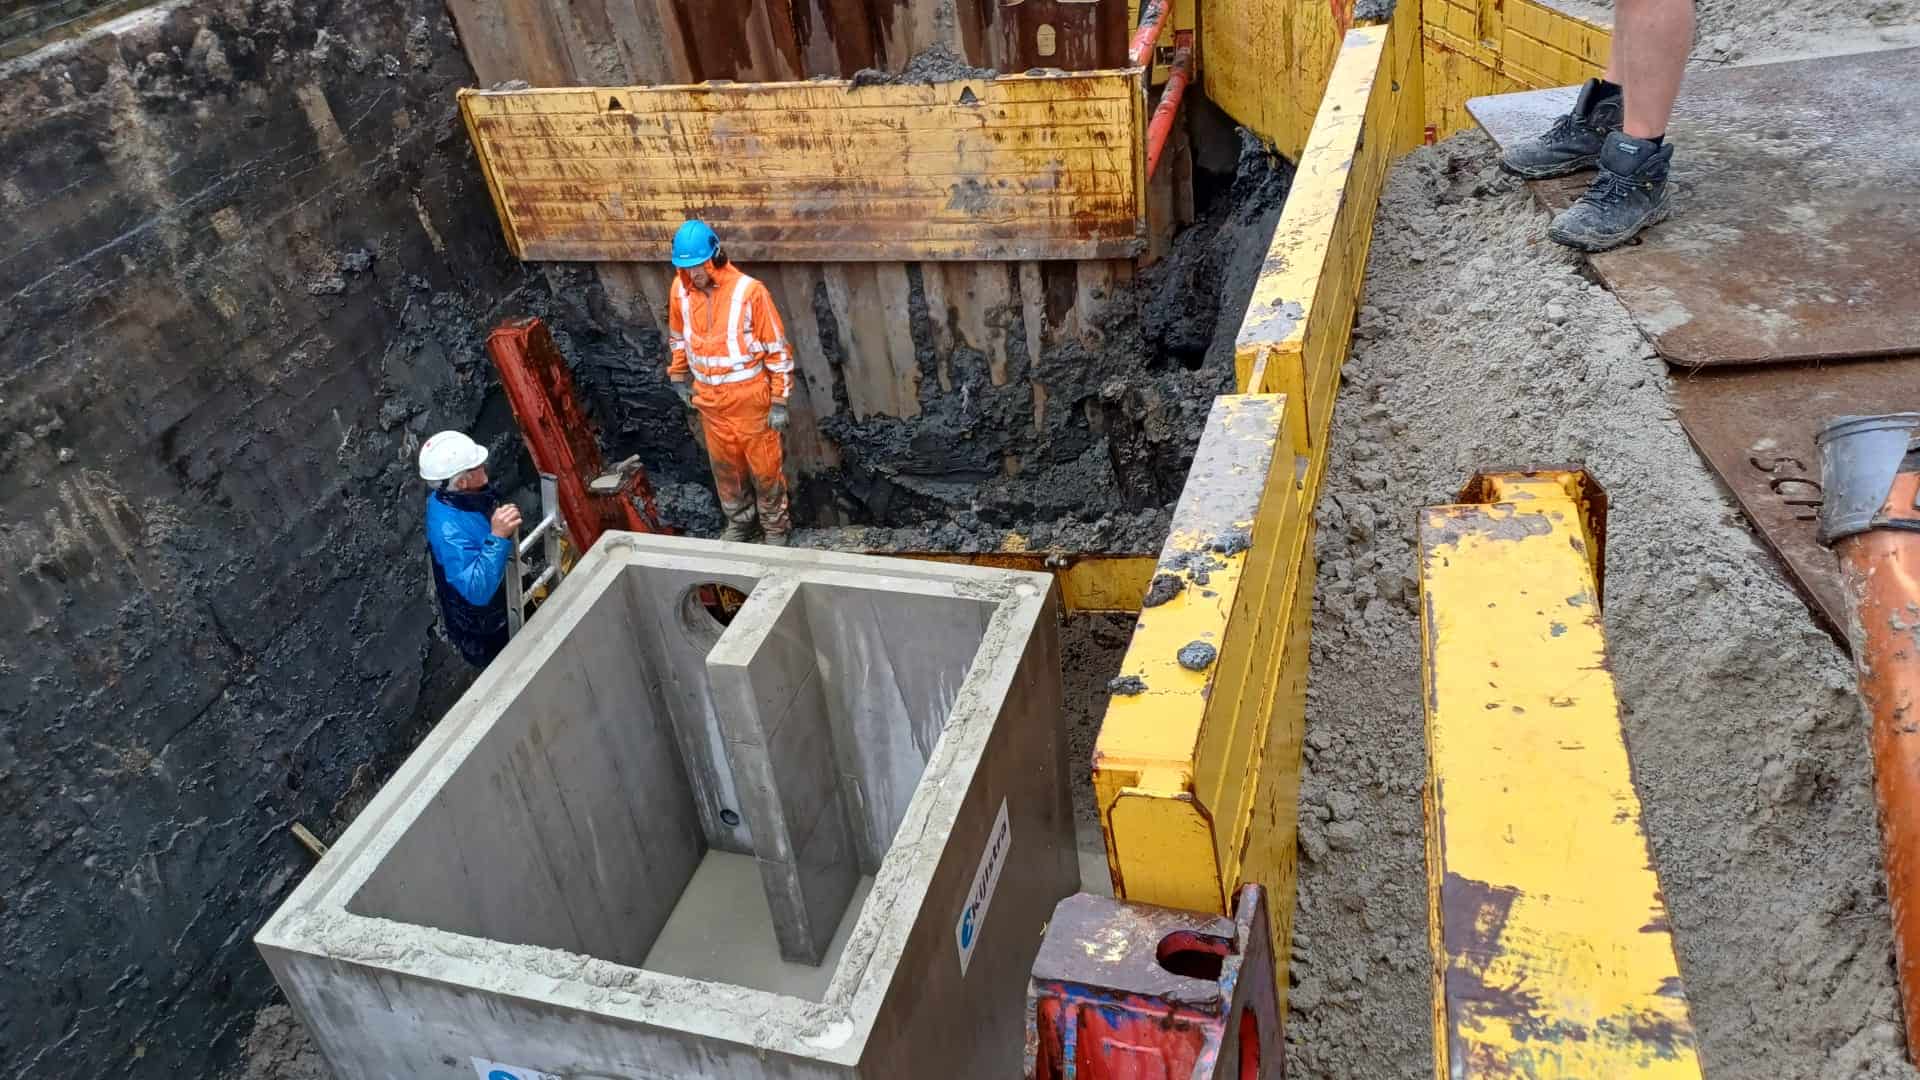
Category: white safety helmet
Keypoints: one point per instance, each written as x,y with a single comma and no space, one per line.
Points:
447,455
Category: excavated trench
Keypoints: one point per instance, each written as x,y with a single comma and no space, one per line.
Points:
1100,472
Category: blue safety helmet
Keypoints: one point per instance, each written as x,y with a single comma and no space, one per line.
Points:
694,244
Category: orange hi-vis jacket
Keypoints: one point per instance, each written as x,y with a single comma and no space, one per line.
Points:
726,338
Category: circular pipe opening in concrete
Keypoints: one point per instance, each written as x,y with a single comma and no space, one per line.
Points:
709,608
1195,956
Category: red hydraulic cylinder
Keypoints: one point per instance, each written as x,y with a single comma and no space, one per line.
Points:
561,439
1126,991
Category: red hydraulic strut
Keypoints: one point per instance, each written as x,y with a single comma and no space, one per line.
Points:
561,439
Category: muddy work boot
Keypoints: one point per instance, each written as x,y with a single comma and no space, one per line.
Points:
1574,141
777,539
1629,194
740,532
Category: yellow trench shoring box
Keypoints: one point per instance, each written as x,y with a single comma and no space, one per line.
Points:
1553,953
1478,47
1197,767
1044,166
1299,322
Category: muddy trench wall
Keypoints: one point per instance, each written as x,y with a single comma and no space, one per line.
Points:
248,262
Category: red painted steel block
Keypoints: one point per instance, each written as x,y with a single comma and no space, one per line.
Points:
1125,991
561,439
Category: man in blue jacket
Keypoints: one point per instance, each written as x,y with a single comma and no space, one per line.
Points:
470,539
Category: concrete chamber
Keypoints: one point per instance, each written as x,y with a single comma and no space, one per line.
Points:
820,840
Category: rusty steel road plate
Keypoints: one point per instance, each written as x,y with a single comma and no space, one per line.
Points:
1796,219
1755,427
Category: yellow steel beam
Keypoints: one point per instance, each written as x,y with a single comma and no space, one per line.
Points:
1553,952
1197,767
1089,582
1299,322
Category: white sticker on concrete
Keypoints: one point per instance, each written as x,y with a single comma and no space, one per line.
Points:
973,917
493,1070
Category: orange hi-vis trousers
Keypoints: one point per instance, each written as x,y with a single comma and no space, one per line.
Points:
730,342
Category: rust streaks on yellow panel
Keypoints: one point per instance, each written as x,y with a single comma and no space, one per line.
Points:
1045,166
1198,757
1553,951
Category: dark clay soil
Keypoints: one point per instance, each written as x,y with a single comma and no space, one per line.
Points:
1124,411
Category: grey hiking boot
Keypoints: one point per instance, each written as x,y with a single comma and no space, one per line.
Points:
1573,142
739,532
1629,194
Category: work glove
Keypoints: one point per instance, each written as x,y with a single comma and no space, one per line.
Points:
685,391
777,417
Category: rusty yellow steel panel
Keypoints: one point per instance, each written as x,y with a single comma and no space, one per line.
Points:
1045,166
1196,768
1299,322
1266,62
1474,49
1553,951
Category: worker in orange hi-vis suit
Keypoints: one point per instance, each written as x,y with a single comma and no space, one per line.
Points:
731,362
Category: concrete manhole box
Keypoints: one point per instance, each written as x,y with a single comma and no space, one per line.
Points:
814,835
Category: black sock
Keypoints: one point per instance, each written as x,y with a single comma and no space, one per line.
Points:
1659,139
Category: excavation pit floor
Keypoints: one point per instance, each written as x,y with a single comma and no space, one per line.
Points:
702,939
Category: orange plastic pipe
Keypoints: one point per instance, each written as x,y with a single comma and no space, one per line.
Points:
1161,125
1144,39
1881,570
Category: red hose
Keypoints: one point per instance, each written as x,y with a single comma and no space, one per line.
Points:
1148,35
1161,125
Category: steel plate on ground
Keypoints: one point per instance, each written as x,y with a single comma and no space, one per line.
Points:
1796,215
1756,428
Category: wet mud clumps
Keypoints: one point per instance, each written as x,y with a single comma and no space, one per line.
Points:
1197,655
937,63
1161,589
256,265
1087,445
1127,685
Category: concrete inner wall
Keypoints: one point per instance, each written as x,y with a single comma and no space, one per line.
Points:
891,663
779,743
572,825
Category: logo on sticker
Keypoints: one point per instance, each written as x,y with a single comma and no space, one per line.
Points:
986,878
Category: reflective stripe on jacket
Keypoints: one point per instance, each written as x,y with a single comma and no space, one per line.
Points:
729,334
